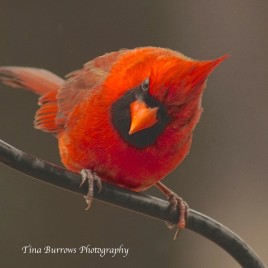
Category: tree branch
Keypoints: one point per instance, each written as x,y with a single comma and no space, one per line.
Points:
147,205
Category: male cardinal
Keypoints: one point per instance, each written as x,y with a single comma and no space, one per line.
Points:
126,117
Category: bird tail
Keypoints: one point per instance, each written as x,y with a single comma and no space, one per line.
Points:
41,82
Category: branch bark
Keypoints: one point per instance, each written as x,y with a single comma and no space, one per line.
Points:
137,202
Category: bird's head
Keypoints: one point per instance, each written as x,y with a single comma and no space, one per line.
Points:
156,88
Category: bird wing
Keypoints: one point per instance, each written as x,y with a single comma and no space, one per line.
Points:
81,83
59,97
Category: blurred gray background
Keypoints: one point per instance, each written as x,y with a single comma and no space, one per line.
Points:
225,175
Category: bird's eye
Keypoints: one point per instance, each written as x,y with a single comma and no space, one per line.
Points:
145,85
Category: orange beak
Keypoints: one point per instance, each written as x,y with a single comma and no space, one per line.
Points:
142,116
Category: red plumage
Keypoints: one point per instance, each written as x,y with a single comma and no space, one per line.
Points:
82,112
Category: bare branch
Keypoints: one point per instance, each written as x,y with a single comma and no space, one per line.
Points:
147,205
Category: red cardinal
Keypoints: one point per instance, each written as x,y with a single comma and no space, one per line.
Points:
127,116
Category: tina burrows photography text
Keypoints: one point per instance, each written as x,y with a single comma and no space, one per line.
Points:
85,249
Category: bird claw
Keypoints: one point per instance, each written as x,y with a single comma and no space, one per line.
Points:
177,202
90,176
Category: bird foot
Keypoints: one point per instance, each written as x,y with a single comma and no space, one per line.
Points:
177,203
90,176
